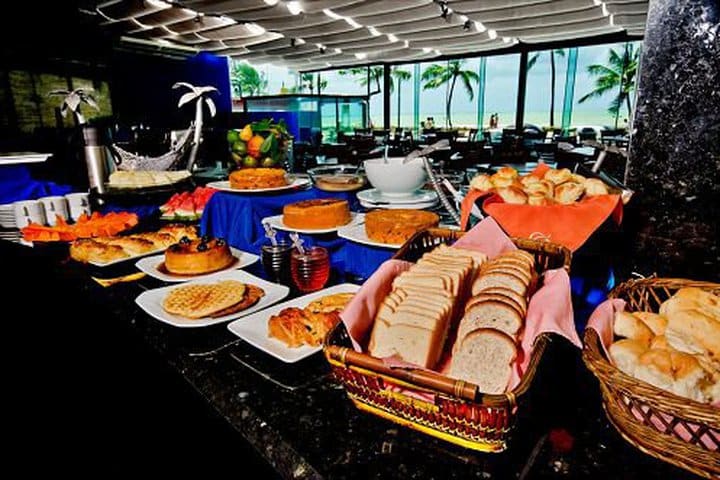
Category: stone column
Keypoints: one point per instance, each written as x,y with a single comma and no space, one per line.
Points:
674,158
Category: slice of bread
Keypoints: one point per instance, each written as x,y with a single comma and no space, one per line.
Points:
485,358
519,299
499,297
505,279
490,314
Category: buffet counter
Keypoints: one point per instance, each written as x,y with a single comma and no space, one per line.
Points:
296,418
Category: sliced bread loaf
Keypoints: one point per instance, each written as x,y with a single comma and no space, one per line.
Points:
485,358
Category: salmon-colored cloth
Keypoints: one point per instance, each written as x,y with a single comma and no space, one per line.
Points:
601,321
549,310
569,225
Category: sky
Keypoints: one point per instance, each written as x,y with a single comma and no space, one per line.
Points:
500,91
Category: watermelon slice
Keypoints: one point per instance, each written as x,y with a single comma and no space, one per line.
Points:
186,210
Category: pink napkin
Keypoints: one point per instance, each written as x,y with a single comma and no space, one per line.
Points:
601,321
550,309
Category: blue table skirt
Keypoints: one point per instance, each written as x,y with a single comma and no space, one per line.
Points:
16,184
237,218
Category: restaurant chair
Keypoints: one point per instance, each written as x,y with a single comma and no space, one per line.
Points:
587,133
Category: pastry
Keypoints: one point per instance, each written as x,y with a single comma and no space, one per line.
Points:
158,239
179,230
568,192
196,257
317,214
256,178
512,195
482,182
507,172
330,303
558,176
132,245
397,226
594,187
89,250
297,327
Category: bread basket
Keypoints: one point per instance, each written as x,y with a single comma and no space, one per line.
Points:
429,402
651,419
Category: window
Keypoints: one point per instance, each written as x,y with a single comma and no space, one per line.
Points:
546,77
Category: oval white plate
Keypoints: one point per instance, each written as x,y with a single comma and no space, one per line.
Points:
277,223
150,265
356,233
224,185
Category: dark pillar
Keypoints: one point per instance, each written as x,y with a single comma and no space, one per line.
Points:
386,96
522,89
674,160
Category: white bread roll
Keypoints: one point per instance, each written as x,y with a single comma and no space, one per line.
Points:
539,200
660,342
529,180
692,297
558,176
677,372
694,331
594,187
512,195
628,326
500,181
507,172
568,193
655,322
626,354
485,358
481,182
493,314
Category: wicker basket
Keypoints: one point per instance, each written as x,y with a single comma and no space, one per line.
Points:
662,414
459,413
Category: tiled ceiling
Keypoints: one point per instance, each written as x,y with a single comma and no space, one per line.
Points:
314,34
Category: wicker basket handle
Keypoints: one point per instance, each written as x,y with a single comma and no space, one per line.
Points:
421,378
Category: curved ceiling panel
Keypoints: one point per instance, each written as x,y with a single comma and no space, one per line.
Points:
323,33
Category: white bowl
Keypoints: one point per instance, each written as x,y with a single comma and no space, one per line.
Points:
395,179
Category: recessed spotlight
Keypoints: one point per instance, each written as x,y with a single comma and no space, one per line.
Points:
427,50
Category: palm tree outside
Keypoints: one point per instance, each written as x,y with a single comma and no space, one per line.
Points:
618,75
559,52
309,81
401,75
246,81
437,75
375,77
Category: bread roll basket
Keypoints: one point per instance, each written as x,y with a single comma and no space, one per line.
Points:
675,429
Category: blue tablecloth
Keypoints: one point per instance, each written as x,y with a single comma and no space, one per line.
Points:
17,184
237,218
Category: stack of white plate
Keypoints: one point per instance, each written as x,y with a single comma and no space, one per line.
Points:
11,236
7,216
422,199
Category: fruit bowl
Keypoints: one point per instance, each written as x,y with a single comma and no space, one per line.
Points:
259,144
337,178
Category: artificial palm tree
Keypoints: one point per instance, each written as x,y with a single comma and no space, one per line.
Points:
401,75
247,81
437,75
531,63
72,100
618,75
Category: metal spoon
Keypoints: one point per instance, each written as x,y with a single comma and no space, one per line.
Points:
442,144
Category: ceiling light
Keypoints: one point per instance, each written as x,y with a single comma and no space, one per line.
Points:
322,49
332,14
294,7
480,27
407,44
300,41
507,39
328,64
374,32
466,25
338,50
293,42
272,3
597,2
492,34
444,10
254,28
427,50
361,56
392,38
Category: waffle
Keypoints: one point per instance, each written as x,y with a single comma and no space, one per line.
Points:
202,300
252,295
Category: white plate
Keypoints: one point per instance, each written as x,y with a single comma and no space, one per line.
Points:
224,185
150,265
254,328
394,206
277,223
125,259
356,233
151,300
374,195
23,157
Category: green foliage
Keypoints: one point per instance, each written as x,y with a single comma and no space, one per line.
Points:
558,52
361,75
246,81
617,77
437,75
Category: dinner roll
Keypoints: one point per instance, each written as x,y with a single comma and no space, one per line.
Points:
512,195
655,322
626,354
538,199
481,182
507,172
501,181
568,192
628,326
594,187
674,371
558,176
529,180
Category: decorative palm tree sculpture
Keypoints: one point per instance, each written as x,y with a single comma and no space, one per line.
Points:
191,139
72,100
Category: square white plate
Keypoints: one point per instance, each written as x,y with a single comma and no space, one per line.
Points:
254,328
150,265
151,300
357,233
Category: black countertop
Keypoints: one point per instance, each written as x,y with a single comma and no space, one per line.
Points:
87,360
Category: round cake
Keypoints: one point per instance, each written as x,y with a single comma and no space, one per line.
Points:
317,214
256,178
397,226
195,257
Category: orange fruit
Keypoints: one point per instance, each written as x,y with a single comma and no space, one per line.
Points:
254,144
